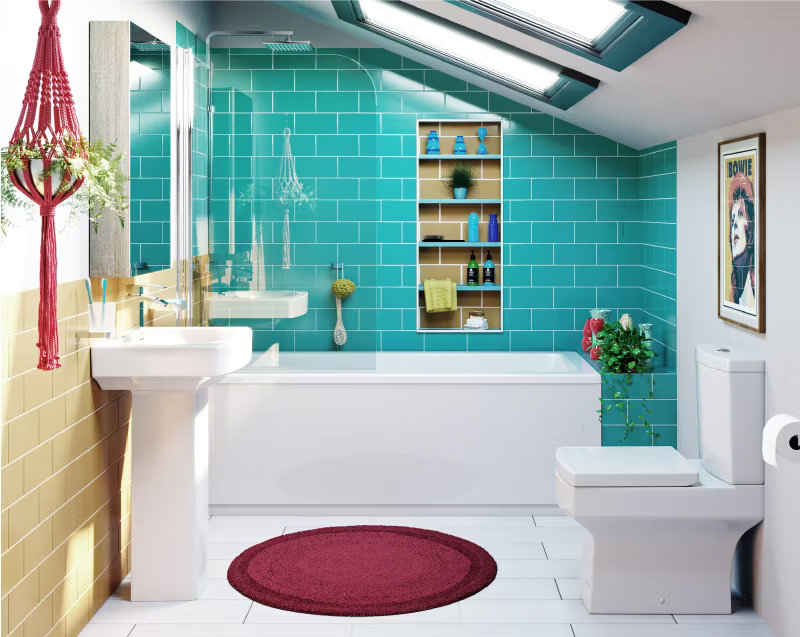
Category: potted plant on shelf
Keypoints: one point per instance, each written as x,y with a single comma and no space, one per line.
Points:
97,163
460,179
625,350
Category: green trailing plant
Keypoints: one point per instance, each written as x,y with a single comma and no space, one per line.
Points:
461,176
625,352
98,163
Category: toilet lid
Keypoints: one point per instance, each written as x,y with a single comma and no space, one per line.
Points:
624,467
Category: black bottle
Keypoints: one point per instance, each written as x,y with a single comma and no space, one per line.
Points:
472,270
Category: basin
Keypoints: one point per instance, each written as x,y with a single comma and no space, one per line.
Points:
244,304
168,370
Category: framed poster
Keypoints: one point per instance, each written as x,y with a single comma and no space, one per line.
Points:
741,294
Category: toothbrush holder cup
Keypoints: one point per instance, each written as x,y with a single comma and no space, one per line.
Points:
103,321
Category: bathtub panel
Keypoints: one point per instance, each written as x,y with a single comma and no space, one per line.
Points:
378,444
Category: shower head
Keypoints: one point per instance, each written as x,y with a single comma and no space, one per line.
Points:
150,47
288,45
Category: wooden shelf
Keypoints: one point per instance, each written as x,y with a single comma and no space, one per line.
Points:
459,244
460,201
439,214
460,156
473,288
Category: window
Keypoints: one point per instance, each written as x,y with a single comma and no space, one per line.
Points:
470,50
614,33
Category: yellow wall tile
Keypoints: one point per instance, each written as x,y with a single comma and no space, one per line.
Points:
66,377
78,616
23,435
37,388
38,465
12,566
11,398
52,494
30,309
23,355
52,570
3,444
23,599
11,314
37,545
4,531
4,617
52,418
12,478
40,620
67,299
65,595
65,521
86,468
23,515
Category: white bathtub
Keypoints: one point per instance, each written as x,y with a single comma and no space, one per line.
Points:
412,432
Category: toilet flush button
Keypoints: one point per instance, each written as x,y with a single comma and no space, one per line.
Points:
724,350
662,601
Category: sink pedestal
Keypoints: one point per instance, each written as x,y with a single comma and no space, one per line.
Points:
169,519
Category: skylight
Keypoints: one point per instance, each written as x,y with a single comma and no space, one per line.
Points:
469,48
582,20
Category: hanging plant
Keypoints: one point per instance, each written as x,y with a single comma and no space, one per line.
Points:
625,350
98,164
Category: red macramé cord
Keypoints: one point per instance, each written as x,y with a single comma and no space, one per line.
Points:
48,88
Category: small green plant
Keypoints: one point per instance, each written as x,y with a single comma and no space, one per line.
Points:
625,352
460,176
98,163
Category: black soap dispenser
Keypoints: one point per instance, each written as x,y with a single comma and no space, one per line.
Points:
488,270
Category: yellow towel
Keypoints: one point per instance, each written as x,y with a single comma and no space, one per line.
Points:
440,296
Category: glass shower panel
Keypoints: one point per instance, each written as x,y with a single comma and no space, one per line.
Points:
292,202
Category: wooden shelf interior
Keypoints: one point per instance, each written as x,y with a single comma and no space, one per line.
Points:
433,173
451,221
487,302
448,130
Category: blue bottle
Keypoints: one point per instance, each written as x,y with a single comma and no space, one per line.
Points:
432,147
488,270
494,228
460,147
472,227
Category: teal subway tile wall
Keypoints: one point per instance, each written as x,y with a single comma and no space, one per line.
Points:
150,161
588,221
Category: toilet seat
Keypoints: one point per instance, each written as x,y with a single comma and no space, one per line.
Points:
624,467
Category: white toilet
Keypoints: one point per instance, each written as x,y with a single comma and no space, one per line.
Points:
663,529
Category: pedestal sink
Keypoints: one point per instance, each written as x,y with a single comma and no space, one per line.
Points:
168,370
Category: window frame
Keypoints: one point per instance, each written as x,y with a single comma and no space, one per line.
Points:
644,26
571,86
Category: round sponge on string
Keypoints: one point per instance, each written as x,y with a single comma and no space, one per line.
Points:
342,288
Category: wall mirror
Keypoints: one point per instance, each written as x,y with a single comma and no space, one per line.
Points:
130,104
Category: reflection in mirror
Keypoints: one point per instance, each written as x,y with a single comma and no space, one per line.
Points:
150,152
130,106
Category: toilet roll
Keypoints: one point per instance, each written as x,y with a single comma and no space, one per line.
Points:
781,440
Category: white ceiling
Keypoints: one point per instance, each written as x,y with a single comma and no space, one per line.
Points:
735,60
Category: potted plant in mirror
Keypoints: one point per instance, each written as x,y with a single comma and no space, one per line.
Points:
97,163
624,350
460,179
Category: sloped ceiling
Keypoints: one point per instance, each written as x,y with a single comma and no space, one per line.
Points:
735,60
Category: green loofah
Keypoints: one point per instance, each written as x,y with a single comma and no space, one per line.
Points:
343,288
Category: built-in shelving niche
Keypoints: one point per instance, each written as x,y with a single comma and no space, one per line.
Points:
438,213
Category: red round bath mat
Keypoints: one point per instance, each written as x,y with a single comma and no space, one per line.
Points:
362,571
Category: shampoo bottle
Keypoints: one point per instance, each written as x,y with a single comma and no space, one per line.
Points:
472,270
488,270
473,222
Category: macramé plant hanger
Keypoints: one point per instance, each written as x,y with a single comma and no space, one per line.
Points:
37,142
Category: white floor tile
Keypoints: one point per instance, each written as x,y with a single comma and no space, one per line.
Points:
217,569
118,611
537,569
515,550
218,588
545,612
744,616
449,521
554,520
462,630
226,550
519,589
251,534
241,630
107,630
568,587
672,630
563,550
267,615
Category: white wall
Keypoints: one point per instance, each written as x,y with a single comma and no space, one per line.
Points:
780,346
19,252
